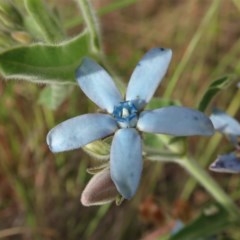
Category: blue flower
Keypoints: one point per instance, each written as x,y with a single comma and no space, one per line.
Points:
226,125
230,127
227,163
125,117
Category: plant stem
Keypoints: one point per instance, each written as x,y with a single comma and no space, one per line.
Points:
210,185
92,25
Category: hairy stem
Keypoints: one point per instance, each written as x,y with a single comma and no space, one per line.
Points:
90,20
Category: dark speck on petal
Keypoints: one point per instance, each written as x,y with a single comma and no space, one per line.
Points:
195,118
220,165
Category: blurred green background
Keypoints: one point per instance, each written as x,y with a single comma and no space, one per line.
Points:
40,191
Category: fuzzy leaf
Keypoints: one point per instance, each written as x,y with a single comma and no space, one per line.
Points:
213,89
45,63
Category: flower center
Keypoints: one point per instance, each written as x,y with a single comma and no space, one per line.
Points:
126,114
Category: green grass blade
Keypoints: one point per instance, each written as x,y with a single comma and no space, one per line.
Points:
213,89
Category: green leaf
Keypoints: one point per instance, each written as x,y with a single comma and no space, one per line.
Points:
213,220
213,89
52,96
42,63
46,20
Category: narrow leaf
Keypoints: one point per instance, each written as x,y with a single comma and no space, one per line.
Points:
213,89
42,63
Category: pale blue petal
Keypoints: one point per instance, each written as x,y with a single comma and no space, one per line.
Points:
176,121
234,139
79,131
126,161
147,76
97,84
224,123
227,163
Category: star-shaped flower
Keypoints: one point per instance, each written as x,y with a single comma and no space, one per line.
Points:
125,117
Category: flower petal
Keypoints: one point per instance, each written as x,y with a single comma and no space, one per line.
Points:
176,121
224,123
97,84
227,163
147,76
235,140
99,190
79,131
126,161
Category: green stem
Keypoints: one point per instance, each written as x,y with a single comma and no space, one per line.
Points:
211,186
91,21
191,47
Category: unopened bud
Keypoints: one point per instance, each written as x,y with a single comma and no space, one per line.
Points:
99,190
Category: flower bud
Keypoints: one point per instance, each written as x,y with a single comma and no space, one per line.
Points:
99,190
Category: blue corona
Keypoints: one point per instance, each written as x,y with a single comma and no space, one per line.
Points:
126,114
